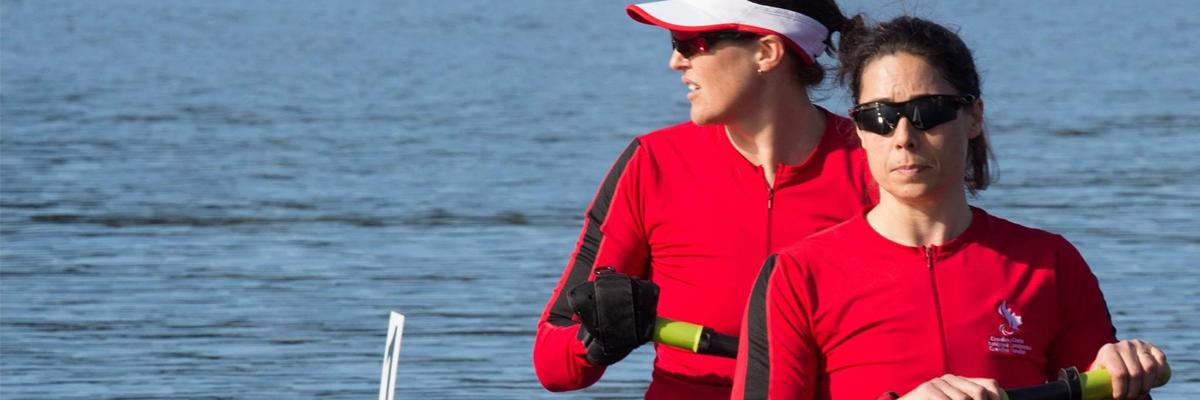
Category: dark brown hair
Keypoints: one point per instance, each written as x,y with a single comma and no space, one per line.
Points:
941,48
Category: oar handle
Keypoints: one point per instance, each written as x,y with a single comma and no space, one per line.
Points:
1072,385
695,338
1097,384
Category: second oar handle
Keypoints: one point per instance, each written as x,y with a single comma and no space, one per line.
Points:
1072,385
695,338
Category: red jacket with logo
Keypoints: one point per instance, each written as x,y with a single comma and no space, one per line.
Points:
683,208
848,314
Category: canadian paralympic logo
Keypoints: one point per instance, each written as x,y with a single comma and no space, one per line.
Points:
1012,321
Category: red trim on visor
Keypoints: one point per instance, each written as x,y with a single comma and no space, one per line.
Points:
640,15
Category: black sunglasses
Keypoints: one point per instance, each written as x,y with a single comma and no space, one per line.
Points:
924,112
704,42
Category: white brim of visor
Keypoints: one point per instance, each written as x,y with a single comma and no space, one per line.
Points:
804,34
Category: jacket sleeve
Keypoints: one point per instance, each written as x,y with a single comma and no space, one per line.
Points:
1087,324
777,356
612,236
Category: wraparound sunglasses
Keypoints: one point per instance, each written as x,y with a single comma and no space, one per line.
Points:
688,46
923,112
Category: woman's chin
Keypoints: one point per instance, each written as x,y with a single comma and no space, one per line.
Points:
910,192
701,117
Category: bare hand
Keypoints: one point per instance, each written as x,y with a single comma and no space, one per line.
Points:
1134,366
953,387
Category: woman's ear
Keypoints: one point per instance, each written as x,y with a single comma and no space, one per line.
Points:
975,111
771,52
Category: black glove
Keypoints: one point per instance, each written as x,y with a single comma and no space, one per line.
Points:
617,313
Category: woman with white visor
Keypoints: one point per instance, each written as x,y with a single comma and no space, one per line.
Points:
681,223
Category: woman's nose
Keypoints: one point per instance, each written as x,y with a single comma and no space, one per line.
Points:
677,62
903,135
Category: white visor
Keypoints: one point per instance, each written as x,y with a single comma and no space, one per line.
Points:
804,34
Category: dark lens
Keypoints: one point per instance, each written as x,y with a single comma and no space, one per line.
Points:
874,117
688,47
927,112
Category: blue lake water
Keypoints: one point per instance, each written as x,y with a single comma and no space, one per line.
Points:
224,199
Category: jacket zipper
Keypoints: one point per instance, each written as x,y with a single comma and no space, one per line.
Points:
770,204
937,304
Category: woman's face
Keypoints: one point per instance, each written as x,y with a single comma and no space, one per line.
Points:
721,82
908,163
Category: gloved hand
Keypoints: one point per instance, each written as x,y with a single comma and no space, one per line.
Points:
617,313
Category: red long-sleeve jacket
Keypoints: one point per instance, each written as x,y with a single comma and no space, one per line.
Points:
683,208
848,314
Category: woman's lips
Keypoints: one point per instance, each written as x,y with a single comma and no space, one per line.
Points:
910,170
692,89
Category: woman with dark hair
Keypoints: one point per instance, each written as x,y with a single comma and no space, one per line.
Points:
924,294
685,216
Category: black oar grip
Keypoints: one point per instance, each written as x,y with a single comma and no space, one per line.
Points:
716,344
1067,387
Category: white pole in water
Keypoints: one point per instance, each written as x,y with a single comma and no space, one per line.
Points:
391,357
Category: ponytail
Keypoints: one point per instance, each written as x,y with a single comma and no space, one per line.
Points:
828,14
853,31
